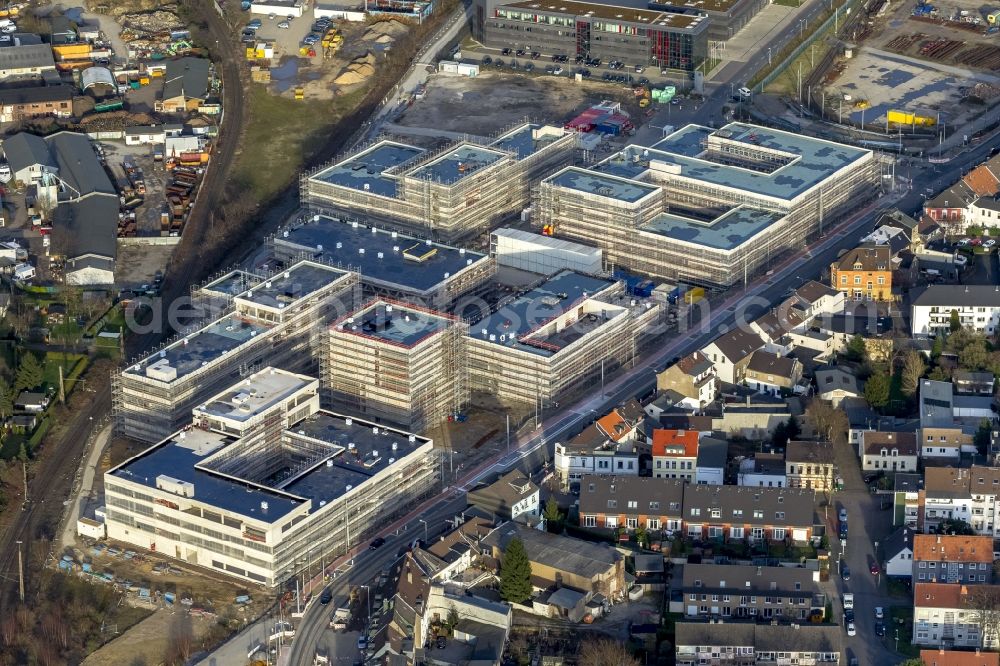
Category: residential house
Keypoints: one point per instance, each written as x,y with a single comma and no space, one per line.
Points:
693,378
810,465
944,443
18,104
773,327
753,515
753,417
628,502
977,306
30,61
750,644
763,470
834,384
908,500
970,495
511,497
890,451
713,454
31,402
730,354
822,343
675,454
185,85
948,208
864,273
740,591
868,322
816,299
139,135
942,657
984,212
769,373
405,625
898,550
611,445
973,383
562,561
952,558
944,615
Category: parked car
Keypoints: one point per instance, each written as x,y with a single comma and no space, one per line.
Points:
255,24
326,597
506,52
284,25
989,242
880,628
441,642
848,615
879,613
845,572
842,514
874,568
487,60
976,241
962,242
851,629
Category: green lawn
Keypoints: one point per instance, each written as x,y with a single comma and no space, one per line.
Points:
901,618
72,365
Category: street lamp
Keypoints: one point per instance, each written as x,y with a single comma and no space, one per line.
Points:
425,528
368,598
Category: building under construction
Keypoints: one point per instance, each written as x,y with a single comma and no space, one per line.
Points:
265,486
275,322
708,206
561,335
391,264
455,193
398,363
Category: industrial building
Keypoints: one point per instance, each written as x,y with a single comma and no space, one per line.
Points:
725,17
708,206
397,363
556,337
275,322
669,39
458,192
391,264
264,485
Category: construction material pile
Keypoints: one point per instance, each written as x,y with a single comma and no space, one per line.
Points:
149,25
384,32
357,71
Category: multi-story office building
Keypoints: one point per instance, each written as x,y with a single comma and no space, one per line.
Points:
275,322
399,363
566,331
663,39
708,206
391,264
458,192
264,484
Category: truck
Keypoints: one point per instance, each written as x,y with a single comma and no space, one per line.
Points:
339,619
848,601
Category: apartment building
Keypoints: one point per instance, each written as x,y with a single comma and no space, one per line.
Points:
763,470
945,615
611,445
970,495
944,443
942,657
977,306
730,353
692,379
264,481
398,363
753,644
944,558
890,451
630,502
810,465
740,591
908,500
511,497
675,454
864,273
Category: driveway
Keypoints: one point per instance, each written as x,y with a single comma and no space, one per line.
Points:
867,523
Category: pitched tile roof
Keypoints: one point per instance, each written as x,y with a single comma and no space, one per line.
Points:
869,257
694,364
738,343
954,548
957,658
772,364
809,452
679,443
984,180
812,291
948,595
651,496
904,442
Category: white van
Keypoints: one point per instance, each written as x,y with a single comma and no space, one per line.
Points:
745,93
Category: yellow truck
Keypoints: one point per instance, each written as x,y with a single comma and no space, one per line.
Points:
907,118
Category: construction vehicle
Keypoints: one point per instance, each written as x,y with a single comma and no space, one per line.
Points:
300,93
993,18
332,37
862,104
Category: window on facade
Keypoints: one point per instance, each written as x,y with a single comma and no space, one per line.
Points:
590,521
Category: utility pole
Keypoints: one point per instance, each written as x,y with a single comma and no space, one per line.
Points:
20,570
62,387
508,433
24,478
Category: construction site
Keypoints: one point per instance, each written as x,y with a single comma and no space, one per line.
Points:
917,68
452,194
264,484
704,206
398,363
275,322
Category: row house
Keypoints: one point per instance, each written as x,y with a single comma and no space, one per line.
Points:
890,451
730,353
942,558
767,372
810,465
751,644
740,591
971,495
945,615
611,445
630,502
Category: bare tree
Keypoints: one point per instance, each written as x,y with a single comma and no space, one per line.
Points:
984,602
605,652
913,369
179,640
827,421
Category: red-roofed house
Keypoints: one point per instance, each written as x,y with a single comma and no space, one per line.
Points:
675,454
959,658
945,614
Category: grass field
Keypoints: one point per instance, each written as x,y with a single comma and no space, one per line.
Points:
282,134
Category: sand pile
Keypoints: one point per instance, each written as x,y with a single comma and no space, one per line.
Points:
357,71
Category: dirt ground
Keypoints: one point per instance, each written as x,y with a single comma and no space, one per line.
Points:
890,72
137,264
146,642
494,101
